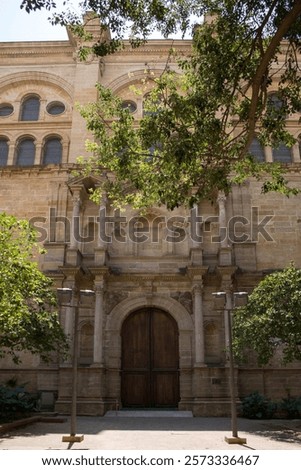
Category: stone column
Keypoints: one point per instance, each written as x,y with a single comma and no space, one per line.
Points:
196,240
39,154
227,274
268,154
198,325
221,200
98,324
100,250
65,149
11,154
225,251
101,242
75,219
296,153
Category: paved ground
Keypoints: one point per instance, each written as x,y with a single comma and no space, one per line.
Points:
156,433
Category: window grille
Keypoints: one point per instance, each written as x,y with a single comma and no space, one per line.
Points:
3,152
26,153
257,150
30,109
282,154
52,151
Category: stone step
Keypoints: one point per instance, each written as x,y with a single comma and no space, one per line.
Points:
149,414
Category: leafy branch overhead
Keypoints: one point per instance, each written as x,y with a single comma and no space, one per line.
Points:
28,316
204,113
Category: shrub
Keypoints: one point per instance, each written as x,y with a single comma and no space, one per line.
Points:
291,406
257,406
15,401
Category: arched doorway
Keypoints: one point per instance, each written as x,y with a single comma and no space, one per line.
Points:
150,360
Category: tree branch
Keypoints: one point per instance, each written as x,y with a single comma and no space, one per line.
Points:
283,28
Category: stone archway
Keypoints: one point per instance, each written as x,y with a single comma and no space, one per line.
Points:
113,341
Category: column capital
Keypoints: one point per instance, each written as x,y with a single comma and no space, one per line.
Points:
226,272
76,199
74,274
196,273
99,274
197,288
221,197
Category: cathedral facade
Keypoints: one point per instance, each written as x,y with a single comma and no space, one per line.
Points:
153,334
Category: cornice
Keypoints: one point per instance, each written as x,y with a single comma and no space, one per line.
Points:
35,47
141,278
37,169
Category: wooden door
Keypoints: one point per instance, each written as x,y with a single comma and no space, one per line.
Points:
150,360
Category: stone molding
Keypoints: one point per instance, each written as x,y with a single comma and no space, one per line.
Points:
129,305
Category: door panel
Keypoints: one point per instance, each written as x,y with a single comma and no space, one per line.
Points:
165,389
135,389
150,360
164,341
135,339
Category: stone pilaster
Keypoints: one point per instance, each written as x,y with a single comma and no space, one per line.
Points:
99,315
225,251
76,199
100,252
227,273
199,336
98,324
196,275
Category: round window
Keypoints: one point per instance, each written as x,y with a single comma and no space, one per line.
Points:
130,105
55,108
6,109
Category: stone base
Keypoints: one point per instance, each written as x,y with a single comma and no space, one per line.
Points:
236,440
157,413
73,438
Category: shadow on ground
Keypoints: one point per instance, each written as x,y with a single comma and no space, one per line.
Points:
278,430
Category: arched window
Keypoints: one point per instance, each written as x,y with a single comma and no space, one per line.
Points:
30,109
274,101
3,151
148,102
282,154
26,152
52,151
257,150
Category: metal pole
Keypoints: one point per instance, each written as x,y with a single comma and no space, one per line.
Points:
234,439
73,418
74,372
232,379
228,323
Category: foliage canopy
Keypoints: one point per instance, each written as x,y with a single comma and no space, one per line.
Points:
203,114
28,316
271,318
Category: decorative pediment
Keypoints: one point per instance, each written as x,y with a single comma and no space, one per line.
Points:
85,183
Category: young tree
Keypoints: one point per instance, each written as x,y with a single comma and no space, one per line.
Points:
271,318
196,137
28,316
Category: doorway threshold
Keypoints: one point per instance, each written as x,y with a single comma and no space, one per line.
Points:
149,413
